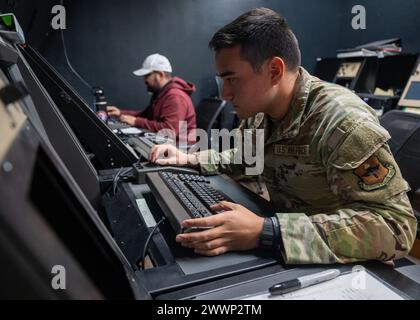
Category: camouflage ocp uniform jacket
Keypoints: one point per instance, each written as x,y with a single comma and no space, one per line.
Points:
332,178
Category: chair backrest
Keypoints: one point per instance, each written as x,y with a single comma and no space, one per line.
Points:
228,118
207,112
404,128
401,125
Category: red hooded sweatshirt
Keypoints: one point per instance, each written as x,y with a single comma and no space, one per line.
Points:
171,105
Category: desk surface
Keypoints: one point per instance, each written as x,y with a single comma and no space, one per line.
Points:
255,282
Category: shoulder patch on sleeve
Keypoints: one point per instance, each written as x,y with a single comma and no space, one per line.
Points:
361,142
374,174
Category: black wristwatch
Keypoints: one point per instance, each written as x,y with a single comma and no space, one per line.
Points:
267,237
270,238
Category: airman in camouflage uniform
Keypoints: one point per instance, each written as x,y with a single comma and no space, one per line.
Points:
339,193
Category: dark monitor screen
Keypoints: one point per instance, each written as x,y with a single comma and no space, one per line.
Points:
394,72
47,221
105,149
413,92
43,112
326,68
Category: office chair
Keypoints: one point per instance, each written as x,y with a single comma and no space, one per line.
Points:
413,271
401,126
404,128
208,111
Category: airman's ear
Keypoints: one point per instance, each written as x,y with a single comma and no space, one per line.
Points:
277,69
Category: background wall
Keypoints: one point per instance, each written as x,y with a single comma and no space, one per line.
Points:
108,39
385,19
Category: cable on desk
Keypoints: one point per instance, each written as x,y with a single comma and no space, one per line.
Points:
148,240
120,174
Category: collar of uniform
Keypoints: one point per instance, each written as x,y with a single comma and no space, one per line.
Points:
290,125
257,121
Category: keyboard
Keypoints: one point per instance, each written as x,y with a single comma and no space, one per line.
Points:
140,169
143,144
116,124
183,196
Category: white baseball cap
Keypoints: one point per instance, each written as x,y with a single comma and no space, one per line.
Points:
154,62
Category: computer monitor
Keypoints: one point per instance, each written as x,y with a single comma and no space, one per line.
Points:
105,149
394,72
326,68
411,94
10,28
48,226
55,129
357,74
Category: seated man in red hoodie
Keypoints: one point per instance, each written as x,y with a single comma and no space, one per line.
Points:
170,103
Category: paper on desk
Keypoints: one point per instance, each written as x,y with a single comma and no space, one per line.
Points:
353,286
130,130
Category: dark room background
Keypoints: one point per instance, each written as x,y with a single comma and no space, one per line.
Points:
108,39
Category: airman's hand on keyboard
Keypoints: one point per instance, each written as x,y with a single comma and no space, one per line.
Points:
234,229
167,154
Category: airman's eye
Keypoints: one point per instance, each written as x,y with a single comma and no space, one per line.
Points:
231,80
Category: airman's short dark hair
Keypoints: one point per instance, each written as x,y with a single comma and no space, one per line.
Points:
262,34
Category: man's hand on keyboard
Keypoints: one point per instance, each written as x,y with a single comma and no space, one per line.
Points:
235,229
131,120
166,154
113,111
